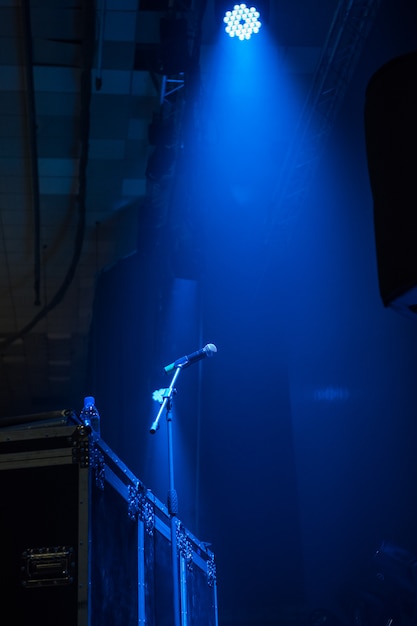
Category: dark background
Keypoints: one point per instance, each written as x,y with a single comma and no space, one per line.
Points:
295,445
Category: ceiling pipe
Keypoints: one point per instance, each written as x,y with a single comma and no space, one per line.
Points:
101,19
33,148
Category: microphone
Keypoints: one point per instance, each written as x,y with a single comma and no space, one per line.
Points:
185,361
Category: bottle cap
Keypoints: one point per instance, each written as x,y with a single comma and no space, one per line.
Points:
89,401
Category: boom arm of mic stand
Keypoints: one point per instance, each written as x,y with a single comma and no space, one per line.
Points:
167,399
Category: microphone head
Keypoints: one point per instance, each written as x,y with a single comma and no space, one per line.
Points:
210,349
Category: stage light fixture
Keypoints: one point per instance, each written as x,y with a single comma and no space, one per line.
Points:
242,22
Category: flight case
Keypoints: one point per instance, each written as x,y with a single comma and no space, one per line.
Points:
85,543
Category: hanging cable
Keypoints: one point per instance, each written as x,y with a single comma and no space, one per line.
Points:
85,97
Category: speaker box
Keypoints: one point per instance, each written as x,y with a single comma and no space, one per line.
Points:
391,140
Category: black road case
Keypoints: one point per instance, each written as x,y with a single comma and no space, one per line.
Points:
84,543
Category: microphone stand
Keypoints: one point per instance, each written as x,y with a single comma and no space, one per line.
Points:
172,494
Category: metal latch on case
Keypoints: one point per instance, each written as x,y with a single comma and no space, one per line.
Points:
48,566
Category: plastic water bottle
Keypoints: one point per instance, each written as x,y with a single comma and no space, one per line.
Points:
90,416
